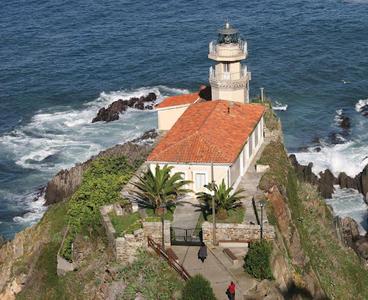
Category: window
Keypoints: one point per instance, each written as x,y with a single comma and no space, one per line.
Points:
250,145
226,67
200,181
256,135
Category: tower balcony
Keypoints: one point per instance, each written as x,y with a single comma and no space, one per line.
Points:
229,79
228,52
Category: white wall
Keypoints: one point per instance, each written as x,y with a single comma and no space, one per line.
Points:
168,116
220,172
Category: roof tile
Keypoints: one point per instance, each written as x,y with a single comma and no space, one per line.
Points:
212,131
178,100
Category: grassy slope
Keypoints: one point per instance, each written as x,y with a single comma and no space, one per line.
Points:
150,276
90,243
93,253
339,270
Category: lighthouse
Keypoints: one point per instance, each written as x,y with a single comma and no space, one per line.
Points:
228,77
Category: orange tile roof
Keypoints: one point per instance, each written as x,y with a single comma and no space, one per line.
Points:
178,100
207,132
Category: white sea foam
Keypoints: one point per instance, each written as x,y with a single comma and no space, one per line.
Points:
361,104
347,157
54,140
35,211
59,139
350,203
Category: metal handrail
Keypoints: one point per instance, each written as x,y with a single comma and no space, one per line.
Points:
228,75
242,45
172,262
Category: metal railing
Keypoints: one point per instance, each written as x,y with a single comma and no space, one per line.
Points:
242,47
172,262
228,75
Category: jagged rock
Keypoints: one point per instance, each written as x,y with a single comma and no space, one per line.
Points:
362,182
303,172
350,231
326,183
346,182
113,111
2,240
361,247
344,121
148,136
65,183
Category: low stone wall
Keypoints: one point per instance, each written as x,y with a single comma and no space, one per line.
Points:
153,230
237,232
125,247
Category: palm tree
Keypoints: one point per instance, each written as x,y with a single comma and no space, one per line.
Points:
159,190
225,199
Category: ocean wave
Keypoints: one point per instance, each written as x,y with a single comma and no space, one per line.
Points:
36,209
58,139
350,203
347,157
362,106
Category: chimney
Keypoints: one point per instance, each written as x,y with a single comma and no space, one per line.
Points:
231,104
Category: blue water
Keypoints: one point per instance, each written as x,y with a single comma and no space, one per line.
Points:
62,60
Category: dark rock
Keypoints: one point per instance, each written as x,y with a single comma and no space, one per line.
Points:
2,240
362,182
146,137
345,122
113,111
361,247
346,182
303,172
326,184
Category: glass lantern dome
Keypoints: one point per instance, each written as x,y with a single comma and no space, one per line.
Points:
228,35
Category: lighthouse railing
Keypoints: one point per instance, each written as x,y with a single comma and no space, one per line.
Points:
228,75
220,49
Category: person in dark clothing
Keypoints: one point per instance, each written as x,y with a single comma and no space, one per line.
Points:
202,252
230,292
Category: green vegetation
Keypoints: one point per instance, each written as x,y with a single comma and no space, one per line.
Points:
257,260
125,224
338,269
44,282
225,199
152,277
198,288
101,184
235,215
159,191
152,217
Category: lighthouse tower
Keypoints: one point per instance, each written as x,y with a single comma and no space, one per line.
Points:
229,78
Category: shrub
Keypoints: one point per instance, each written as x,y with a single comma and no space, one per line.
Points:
198,288
257,260
151,276
101,184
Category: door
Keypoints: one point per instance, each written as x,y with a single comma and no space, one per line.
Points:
200,182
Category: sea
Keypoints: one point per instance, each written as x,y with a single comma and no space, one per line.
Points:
60,61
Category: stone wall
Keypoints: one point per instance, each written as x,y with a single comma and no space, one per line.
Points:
237,232
125,247
153,230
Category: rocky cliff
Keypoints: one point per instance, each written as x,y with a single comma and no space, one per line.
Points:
326,180
65,183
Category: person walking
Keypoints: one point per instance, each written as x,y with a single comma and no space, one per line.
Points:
230,292
202,252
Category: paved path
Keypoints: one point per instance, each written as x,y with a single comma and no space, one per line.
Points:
187,213
249,182
211,269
